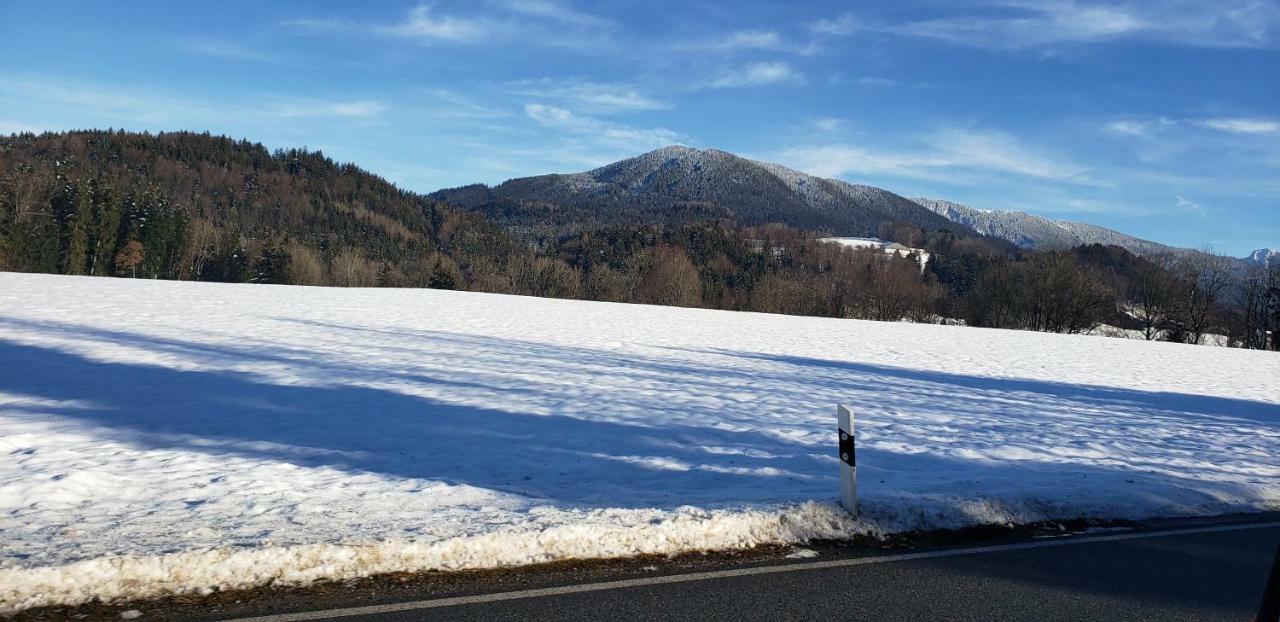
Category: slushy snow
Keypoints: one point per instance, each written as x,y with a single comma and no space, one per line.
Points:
165,437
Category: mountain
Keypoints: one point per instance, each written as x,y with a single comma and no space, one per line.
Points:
1037,232
679,183
1263,257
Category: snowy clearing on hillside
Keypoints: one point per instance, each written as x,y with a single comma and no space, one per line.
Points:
180,437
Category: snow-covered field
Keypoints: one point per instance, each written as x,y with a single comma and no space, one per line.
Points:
161,436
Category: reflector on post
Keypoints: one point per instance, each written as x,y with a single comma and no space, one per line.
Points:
848,461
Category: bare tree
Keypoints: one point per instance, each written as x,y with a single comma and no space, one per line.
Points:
1149,298
305,265
1065,296
1204,278
671,280
1253,296
604,283
202,246
129,257
351,269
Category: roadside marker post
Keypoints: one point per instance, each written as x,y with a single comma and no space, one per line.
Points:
848,462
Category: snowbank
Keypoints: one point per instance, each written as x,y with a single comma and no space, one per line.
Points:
168,437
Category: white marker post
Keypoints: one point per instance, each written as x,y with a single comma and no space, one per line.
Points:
848,463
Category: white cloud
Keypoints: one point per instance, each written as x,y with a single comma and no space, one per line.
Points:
998,151
1187,205
1021,24
535,22
605,133
747,40
422,24
758,74
458,106
841,25
100,101
950,156
558,12
8,126
840,160
827,124
320,108
1129,127
596,97
215,48
129,105
1243,125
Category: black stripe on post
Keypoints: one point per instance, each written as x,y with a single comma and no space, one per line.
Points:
846,449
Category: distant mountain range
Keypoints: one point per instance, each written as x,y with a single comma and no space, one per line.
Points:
678,183
1037,232
1031,231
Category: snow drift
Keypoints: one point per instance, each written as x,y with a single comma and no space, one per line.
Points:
164,437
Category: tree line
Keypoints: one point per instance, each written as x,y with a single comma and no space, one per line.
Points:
196,207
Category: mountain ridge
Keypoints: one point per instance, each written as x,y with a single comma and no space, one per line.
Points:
677,182
680,183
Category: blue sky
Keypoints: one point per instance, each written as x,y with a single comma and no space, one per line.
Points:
1159,118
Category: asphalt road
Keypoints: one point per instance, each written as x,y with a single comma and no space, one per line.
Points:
1195,573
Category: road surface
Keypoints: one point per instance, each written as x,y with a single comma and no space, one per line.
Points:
1206,572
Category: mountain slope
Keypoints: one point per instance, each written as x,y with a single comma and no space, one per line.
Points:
1037,232
1264,257
678,183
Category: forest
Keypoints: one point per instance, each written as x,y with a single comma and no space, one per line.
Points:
199,207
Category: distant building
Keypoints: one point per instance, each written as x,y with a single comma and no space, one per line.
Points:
888,247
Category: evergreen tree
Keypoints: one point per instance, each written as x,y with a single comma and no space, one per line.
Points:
272,266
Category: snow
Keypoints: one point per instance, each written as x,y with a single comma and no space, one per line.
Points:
901,251
163,437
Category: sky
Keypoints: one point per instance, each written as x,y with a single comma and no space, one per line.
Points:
1160,118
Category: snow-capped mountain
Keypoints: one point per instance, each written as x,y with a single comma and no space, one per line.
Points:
1031,231
678,182
1263,257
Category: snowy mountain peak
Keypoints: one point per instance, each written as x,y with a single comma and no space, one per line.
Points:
1264,257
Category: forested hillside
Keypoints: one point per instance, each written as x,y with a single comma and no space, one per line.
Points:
199,207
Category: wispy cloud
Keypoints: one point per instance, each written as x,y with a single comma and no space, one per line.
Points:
558,12
447,103
129,105
757,74
750,40
1022,24
1130,127
593,97
827,124
424,24
99,101
230,50
363,108
8,126
999,151
534,22
615,135
947,156
1187,205
1243,125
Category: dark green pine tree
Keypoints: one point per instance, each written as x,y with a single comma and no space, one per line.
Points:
272,266
443,275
